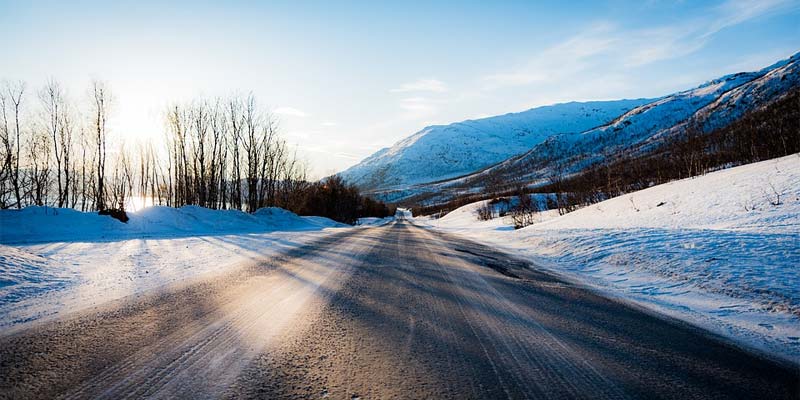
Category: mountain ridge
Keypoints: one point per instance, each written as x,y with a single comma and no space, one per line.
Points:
714,103
734,96
447,151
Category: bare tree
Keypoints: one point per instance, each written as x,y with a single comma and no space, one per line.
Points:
688,148
486,211
217,162
236,120
557,178
53,105
15,92
87,177
38,170
122,181
251,143
6,169
101,104
524,212
65,134
200,124
177,121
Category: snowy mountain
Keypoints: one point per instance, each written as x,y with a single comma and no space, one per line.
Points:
446,151
711,105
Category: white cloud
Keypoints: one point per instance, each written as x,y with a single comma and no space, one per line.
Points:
290,111
651,45
734,12
329,124
418,107
422,85
614,50
558,61
348,156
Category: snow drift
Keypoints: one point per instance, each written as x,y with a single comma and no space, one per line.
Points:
47,224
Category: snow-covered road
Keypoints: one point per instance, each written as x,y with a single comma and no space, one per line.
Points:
395,311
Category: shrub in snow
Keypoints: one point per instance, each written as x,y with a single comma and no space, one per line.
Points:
524,212
485,212
116,213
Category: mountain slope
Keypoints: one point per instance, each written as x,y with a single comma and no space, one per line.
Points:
446,151
710,106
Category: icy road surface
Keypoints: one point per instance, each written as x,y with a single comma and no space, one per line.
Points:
395,311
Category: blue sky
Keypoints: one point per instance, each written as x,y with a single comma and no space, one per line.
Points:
347,78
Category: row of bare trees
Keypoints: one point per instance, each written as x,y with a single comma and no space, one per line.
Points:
226,153
218,154
221,153
49,153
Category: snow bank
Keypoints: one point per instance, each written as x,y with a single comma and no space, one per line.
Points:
24,274
720,251
47,224
62,260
